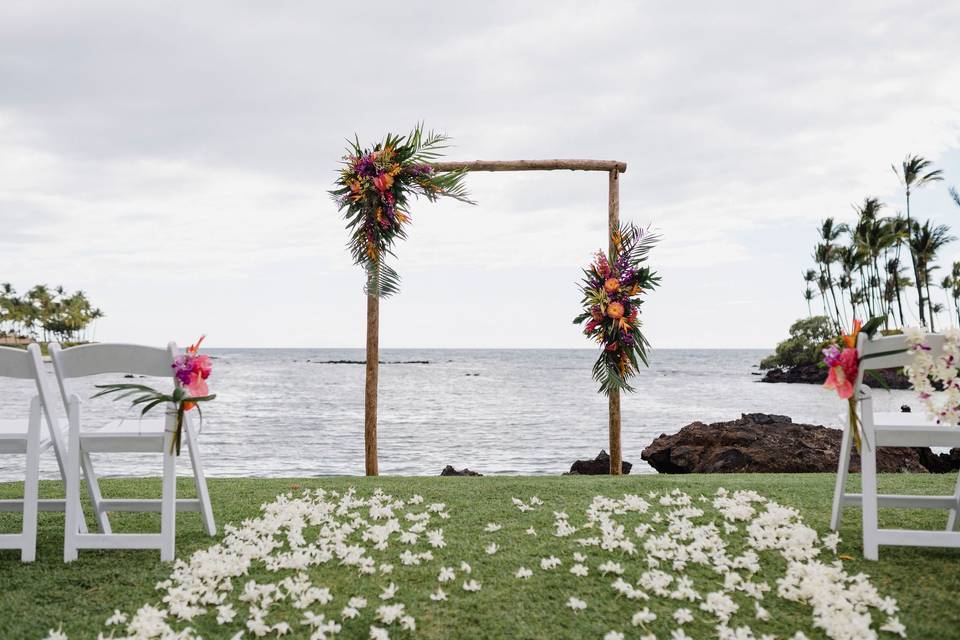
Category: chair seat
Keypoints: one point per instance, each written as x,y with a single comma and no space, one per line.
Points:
897,429
130,435
13,436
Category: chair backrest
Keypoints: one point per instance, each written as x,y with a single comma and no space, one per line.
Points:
28,364
890,352
96,359
17,363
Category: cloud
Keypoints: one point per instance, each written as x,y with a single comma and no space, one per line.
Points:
195,142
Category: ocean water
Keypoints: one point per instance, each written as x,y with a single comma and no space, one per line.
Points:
286,412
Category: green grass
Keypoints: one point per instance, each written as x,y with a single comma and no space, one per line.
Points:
81,595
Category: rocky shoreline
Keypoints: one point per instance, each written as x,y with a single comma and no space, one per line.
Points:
767,443
815,374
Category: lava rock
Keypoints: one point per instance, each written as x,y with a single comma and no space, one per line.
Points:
815,374
450,471
765,443
599,466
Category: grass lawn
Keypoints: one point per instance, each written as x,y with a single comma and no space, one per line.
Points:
82,595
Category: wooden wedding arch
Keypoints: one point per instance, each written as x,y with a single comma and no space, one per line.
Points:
613,169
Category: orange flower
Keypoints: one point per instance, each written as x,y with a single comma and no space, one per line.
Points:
612,285
851,340
355,186
383,182
615,310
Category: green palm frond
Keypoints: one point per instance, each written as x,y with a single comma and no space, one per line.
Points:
147,398
399,167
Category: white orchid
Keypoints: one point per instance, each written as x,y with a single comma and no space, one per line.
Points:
446,574
643,617
388,592
576,604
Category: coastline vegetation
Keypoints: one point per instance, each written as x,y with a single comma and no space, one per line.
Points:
884,266
46,313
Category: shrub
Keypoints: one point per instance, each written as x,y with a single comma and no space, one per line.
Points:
807,337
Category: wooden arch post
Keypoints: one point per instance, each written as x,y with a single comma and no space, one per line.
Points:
613,169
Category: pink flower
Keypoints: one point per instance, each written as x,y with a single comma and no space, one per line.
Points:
842,376
198,387
203,366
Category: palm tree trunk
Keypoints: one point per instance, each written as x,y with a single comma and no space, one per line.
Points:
896,286
833,293
916,271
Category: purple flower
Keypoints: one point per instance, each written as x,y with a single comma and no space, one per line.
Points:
183,368
831,355
421,169
365,166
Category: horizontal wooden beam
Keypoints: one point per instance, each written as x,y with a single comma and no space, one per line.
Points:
533,165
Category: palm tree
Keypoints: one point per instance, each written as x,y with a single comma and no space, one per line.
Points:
955,288
826,252
916,172
925,242
895,282
947,285
822,286
899,234
955,195
809,278
872,236
849,261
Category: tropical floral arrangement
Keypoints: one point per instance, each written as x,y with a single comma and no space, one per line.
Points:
843,364
612,288
926,371
191,371
374,190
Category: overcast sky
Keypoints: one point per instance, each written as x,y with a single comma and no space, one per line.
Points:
173,161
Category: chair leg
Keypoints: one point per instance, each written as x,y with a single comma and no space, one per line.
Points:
72,496
168,503
840,489
203,494
93,489
868,480
28,550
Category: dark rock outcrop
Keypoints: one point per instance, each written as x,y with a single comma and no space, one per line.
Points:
815,374
599,466
450,471
762,443
365,362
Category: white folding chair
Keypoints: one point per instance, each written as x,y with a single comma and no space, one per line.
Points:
137,435
892,429
23,437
